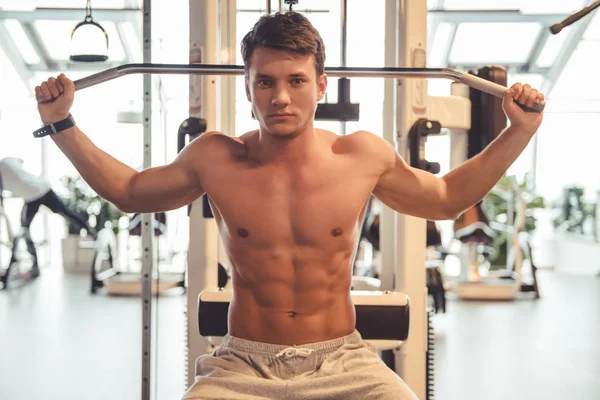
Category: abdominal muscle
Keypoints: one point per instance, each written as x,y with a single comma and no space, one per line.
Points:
291,297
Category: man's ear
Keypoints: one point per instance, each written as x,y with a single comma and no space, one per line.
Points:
322,86
247,84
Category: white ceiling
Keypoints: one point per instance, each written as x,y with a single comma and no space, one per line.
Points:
462,34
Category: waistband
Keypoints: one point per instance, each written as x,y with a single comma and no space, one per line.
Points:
250,346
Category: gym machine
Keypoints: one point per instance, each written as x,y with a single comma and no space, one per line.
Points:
107,274
402,237
22,265
403,270
473,230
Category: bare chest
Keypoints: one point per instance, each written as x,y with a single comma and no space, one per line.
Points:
310,208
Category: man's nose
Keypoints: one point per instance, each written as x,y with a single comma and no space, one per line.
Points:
281,97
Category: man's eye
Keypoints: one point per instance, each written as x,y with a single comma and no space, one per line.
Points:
297,81
263,83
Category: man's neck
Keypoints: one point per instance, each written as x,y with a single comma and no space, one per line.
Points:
298,149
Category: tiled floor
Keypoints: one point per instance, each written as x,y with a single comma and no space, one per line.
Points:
59,342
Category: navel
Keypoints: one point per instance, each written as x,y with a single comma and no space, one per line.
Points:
242,232
336,232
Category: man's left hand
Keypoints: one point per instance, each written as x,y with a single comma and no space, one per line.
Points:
524,95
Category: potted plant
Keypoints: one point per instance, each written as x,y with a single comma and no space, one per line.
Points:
507,192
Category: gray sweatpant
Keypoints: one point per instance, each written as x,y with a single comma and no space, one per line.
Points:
344,368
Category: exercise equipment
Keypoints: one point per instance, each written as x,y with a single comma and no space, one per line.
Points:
370,230
89,40
190,129
434,238
556,28
473,229
478,281
344,110
106,273
487,117
290,3
402,269
417,137
473,226
23,263
406,263
475,82
365,274
382,318
436,289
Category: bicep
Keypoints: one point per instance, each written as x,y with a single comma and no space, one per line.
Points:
165,187
412,191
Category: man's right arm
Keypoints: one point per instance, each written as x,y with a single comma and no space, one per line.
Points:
152,190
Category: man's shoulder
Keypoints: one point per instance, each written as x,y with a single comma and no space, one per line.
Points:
365,146
217,137
360,141
215,141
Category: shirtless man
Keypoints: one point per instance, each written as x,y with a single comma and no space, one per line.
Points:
288,200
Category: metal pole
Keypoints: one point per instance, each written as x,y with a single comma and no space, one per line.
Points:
147,251
387,221
46,221
344,17
357,72
203,259
344,39
223,69
409,270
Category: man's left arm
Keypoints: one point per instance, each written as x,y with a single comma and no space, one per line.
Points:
419,193
467,184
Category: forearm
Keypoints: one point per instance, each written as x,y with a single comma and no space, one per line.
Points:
468,184
109,177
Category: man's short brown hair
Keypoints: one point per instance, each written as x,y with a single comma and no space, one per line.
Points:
290,31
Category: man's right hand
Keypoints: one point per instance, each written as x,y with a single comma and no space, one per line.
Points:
57,95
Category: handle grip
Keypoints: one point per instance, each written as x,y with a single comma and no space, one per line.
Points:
494,89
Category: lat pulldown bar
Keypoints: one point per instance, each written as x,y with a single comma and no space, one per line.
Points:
358,72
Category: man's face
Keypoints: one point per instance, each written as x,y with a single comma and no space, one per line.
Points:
284,90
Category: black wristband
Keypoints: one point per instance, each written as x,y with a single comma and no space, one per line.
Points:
56,127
